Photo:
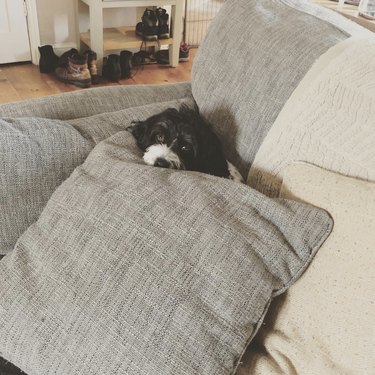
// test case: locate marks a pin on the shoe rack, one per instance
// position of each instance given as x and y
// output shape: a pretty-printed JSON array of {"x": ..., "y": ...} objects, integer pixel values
[{"x": 107, "y": 40}]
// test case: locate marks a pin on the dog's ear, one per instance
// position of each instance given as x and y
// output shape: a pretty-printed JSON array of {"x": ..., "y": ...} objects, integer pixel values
[
  {"x": 188, "y": 110},
  {"x": 137, "y": 128},
  {"x": 130, "y": 127},
  {"x": 185, "y": 111},
  {"x": 139, "y": 132}
]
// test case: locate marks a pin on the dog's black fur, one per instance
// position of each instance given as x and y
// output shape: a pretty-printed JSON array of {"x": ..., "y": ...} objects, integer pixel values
[{"x": 185, "y": 133}]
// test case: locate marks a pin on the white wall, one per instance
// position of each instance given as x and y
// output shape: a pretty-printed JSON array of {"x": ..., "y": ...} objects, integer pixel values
[{"x": 57, "y": 23}]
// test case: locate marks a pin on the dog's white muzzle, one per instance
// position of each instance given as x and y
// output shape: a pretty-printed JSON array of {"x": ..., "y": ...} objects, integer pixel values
[{"x": 162, "y": 156}]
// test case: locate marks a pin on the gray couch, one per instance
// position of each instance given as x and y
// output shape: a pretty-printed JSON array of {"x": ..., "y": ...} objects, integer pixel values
[{"x": 255, "y": 57}]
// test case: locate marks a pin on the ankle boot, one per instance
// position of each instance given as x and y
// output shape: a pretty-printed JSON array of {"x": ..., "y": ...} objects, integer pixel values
[
  {"x": 48, "y": 59},
  {"x": 76, "y": 72},
  {"x": 148, "y": 29},
  {"x": 163, "y": 26},
  {"x": 112, "y": 68},
  {"x": 91, "y": 63},
  {"x": 64, "y": 58},
  {"x": 125, "y": 64}
]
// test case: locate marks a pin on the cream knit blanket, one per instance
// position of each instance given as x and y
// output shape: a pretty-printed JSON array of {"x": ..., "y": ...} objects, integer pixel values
[{"x": 328, "y": 121}]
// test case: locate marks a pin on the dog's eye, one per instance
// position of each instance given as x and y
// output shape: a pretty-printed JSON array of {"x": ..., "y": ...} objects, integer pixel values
[
  {"x": 160, "y": 138},
  {"x": 185, "y": 148}
]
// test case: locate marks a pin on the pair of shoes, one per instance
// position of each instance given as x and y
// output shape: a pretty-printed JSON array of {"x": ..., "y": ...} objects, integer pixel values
[
  {"x": 162, "y": 56},
  {"x": 75, "y": 71},
  {"x": 116, "y": 67},
  {"x": 63, "y": 61},
  {"x": 70, "y": 67},
  {"x": 154, "y": 25}
]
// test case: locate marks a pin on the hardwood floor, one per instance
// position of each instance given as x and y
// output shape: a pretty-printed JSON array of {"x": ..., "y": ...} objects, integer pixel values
[{"x": 24, "y": 81}]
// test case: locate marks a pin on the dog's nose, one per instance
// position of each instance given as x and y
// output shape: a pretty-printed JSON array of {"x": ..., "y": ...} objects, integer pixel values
[{"x": 160, "y": 162}]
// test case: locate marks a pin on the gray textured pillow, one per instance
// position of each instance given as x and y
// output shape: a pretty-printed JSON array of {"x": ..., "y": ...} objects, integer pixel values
[
  {"x": 132, "y": 269},
  {"x": 38, "y": 154}
]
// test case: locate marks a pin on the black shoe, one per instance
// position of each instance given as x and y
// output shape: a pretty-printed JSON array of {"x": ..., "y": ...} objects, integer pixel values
[
  {"x": 112, "y": 68},
  {"x": 162, "y": 56},
  {"x": 48, "y": 59},
  {"x": 163, "y": 26},
  {"x": 125, "y": 64},
  {"x": 143, "y": 58},
  {"x": 64, "y": 58},
  {"x": 139, "y": 27},
  {"x": 148, "y": 27}
]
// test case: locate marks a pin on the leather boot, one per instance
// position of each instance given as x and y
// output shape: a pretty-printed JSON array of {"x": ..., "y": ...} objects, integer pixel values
[
  {"x": 64, "y": 58},
  {"x": 112, "y": 68},
  {"x": 163, "y": 25},
  {"x": 125, "y": 64},
  {"x": 91, "y": 63},
  {"x": 75, "y": 72},
  {"x": 48, "y": 59}
]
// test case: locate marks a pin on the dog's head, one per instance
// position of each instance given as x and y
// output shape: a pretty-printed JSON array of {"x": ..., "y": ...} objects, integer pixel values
[
  {"x": 167, "y": 139},
  {"x": 180, "y": 139}
]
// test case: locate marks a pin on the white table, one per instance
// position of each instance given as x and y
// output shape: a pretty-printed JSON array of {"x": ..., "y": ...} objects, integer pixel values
[{"x": 105, "y": 40}]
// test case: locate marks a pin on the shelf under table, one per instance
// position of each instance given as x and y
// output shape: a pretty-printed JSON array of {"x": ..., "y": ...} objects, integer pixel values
[{"x": 119, "y": 38}]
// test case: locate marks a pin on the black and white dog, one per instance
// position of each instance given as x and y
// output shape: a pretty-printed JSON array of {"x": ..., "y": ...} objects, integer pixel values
[{"x": 181, "y": 139}]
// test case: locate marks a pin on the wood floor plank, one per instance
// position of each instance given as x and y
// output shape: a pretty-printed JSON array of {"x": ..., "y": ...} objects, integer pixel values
[
  {"x": 27, "y": 81},
  {"x": 7, "y": 92},
  {"x": 24, "y": 81}
]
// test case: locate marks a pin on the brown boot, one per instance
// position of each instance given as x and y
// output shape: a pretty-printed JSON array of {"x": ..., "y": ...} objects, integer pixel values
[
  {"x": 75, "y": 72},
  {"x": 91, "y": 62}
]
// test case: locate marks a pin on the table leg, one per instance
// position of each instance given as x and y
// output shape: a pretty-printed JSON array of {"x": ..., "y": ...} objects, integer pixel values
[
  {"x": 96, "y": 33},
  {"x": 174, "y": 49},
  {"x": 77, "y": 16}
]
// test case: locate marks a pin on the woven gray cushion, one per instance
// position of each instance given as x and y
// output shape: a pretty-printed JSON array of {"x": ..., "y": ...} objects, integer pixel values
[
  {"x": 132, "y": 269},
  {"x": 101, "y": 126},
  {"x": 37, "y": 155},
  {"x": 253, "y": 57}
]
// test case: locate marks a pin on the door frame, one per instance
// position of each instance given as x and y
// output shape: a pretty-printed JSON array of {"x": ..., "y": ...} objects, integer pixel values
[{"x": 33, "y": 29}]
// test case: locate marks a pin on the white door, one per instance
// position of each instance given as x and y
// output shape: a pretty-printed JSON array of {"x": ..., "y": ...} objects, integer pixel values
[{"x": 14, "y": 37}]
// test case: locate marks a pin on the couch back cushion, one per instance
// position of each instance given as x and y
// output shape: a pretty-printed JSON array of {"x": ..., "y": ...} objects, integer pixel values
[
  {"x": 328, "y": 121},
  {"x": 254, "y": 55}
]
